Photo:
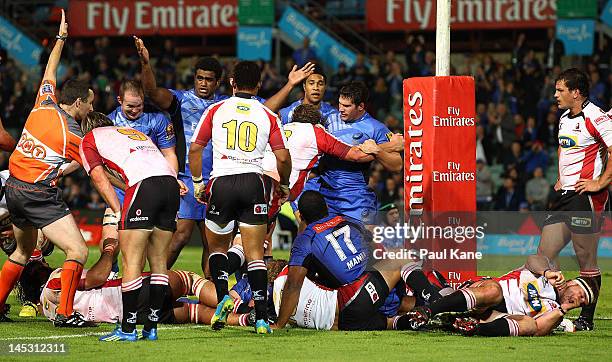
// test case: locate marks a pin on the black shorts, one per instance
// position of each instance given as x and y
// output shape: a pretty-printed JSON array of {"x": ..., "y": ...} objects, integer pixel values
[
  {"x": 241, "y": 197},
  {"x": 153, "y": 202},
  {"x": 362, "y": 313},
  {"x": 273, "y": 203},
  {"x": 167, "y": 312},
  {"x": 583, "y": 214},
  {"x": 34, "y": 204}
]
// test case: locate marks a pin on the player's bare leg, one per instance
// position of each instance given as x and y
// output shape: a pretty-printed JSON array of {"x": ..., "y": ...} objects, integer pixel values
[
  {"x": 205, "y": 250},
  {"x": 12, "y": 268},
  {"x": 585, "y": 247},
  {"x": 157, "y": 254},
  {"x": 65, "y": 234},
  {"x": 553, "y": 240},
  {"x": 252, "y": 241},
  {"x": 202, "y": 314},
  {"x": 180, "y": 238}
]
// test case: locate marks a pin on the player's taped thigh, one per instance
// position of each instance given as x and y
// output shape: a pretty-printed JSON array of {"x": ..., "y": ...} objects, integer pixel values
[{"x": 220, "y": 230}]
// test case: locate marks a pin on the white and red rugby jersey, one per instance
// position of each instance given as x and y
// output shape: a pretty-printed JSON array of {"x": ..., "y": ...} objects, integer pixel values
[
  {"x": 240, "y": 128},
  {"x": 306, "y": 143},
  {"x": 527, "y": 294},
  {"x": 123, "y": 149},
  {"x": 316, "y": 308},
  {"x": 583, "y": 143}
]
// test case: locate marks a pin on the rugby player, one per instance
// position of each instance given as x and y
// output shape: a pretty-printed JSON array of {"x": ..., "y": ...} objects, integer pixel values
[
  {"x": 156, "y": 125},
  {"x": 146, "y": 219},
  {"x": 529, "y": 301},
  {"x": 314, "y": 90},
  {"x": 342, "y": 180},
  {"x": 580, "y": 201},
  {"x": 240, "y": 129},
  {"x": 186, "y": 108},
  {"x": 332, "y": 252},
  {"x": 48, "y": 148}
]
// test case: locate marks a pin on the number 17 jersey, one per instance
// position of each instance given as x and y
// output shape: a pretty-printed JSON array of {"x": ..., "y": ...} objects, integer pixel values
[{"x": 333, "y": 250}]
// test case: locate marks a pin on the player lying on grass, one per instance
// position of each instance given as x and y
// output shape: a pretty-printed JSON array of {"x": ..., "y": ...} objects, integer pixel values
[
  {"x": 99, "y": 300},
  {"x": 333, "y": 252},
  {"x": 529, "y": 301},
  {"x": 318, "y": 307}
]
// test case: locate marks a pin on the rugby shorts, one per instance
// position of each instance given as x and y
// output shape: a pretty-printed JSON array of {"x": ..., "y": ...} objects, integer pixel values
[
  {"x": 364, "y": 299},
  {"x": 152, "y": 202},
  {"x": 35, "y": 205},
  {"x": 583, "y": 214},
  {"x": 242, "y": 197}
]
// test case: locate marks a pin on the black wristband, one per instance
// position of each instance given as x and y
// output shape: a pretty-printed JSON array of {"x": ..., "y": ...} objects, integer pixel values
[{"x": 61, "y": 37}]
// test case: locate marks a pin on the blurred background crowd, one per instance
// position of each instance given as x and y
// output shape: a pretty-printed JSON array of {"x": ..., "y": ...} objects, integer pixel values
[{"x": 517, "y": 115}]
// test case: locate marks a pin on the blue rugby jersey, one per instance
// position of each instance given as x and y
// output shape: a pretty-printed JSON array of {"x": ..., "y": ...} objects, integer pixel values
[{"x": 333, "y": 250}]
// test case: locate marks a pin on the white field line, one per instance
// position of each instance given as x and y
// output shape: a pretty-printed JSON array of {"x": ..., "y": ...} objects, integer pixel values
[{"x": 91, "y": 334}]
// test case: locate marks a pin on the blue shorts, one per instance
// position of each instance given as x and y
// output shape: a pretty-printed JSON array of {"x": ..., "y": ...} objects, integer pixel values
[
  {"x": 189, "y": 208},
  {"x": 359, "y": 203},
  {"x": 120, "y": 195}
]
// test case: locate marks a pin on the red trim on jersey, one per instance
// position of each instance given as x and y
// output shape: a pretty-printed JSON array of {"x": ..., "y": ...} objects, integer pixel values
[
  {"x": 588, "y": 164},
  {"x": 90, "y": 153},
  {"x": 204, "y": 131},
  {"x": 277, "y": 139},
  {"x": 329, "y": 144},
  {"x": 328, "y": 224},
  {"x": 592, "y": 130},
  {"x": 298, "y": 186}
]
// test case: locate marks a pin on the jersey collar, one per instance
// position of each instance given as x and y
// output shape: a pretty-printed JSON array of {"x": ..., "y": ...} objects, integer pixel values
[
  {"x": 581, "y": 113},
  {"x": 244, "y": 95}
]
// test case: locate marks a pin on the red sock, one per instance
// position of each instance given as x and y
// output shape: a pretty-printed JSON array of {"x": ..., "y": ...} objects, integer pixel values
[
  {"x": 70, "y": 278},
  {"x": 11, "y": 271}
]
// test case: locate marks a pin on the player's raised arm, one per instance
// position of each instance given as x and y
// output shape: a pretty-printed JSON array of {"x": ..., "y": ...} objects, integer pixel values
[
  {"x": 160, "y": 96},
  {"x": 56, "y": 53},
  {"x": 296, "y": 76},
  {"x": 291, "y": 294}
]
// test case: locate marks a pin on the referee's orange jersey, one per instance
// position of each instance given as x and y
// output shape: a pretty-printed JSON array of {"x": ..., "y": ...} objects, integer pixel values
[{"x": 49, "y": 142}]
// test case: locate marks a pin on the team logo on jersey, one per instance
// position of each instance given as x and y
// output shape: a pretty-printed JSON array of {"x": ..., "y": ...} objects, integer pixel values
[
  {"x": 371, "y": 289},
  {"x": 243, "y": 108},
  {"x": 389, "y": 135},
  {"x": 533, "y": 297},
  {"x": 584, "y": 222},
  {"x": 170, "y": 132},
  {"x": 46, "y": 88},
  {"x": 260, "y": 209},
  {"x": 357, "y": 135},
  {"x": 568, "y": 141}
]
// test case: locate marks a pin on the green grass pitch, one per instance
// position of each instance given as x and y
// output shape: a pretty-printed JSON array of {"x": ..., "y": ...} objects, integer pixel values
[{"x": 191, "y": 342}]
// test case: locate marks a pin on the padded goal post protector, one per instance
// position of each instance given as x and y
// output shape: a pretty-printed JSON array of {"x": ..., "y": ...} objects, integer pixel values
[{"x": 440, "y": 172}]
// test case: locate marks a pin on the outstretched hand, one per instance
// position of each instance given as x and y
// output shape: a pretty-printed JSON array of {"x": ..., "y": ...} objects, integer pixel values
[
  {"x": 296, "y": 76},
  {"x": 63, "y": 28},
  {"x": 143, "y": 53}
]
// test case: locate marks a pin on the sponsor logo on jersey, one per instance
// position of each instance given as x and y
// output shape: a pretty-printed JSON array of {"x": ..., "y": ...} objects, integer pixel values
[
  {"x": 533, "y": 297},
  {"x": 389, "y": 135},
  {"x": 260, "y": 209},
  {"x": 568, "y": 141},
  {"x": 29, "y": 146},
  {"x": 243, "y": 108},
  {"x": 584, "y": 222},
  {"x": 371, "y": 289},
  {"x": 357, "y": 135}
]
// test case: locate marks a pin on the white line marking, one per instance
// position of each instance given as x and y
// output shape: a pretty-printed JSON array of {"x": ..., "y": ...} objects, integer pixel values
[{"x": 92, "y": 334}]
